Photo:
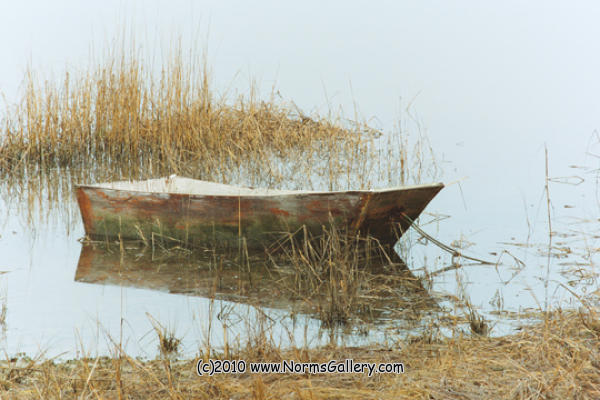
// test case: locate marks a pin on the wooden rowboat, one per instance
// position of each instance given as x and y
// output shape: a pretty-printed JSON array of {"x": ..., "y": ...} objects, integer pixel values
[{"x": 200, "y": 213}]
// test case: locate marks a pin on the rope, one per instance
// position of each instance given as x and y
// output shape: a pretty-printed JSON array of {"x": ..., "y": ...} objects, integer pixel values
[{"x": 453, "y": 251}]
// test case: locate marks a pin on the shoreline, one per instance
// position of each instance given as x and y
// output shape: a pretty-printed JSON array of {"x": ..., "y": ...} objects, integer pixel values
[{"x": 556, "y": 357}]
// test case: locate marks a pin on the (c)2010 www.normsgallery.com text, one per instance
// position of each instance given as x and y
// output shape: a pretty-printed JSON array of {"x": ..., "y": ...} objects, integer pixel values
[{"x": 347, "y": 366}]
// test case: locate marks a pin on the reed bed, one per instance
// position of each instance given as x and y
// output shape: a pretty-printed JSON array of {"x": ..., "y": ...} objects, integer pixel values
[
  {"x": 128, "y": 118},
  {"x": 121, "y": 118}
]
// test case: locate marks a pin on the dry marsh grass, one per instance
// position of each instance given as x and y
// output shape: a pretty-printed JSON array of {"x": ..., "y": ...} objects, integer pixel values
[
  {"x": 557, "y": 358},
  {"x": 347, "y": 279},
  {"x": 120, "y": 116}
]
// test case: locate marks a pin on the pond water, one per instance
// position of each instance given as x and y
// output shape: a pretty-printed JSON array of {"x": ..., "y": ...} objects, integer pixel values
[
  {"x": 66, "y": 299},
  {"x": 491, "y": 89}
]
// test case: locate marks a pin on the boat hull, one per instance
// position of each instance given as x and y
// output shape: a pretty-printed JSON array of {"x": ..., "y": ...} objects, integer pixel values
[{"x": 258, "y": 221}]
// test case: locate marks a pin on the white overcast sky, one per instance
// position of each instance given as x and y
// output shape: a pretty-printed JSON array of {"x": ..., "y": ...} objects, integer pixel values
[{"x": 492, "y": 82}]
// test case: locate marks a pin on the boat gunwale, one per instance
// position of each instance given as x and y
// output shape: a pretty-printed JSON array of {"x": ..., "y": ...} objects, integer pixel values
[{"x": 258, "y": 194}]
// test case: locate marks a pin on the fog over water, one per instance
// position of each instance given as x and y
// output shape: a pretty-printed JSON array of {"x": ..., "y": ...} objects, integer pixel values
[{"x": 491, "y": 85}]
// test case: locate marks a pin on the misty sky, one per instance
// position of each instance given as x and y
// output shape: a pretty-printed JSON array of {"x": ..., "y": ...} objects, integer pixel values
[{"x": 491, "y": 83}]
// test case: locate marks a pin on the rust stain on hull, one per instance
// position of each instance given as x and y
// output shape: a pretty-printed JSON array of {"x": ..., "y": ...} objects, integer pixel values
[
  {"x": 85, "y": 208},
  {"x": 277, "y": 211}
]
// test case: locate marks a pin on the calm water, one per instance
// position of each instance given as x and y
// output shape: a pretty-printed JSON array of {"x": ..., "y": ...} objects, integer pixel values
[
  {"x": 56, "y": 304},
  {"x": 489, "y": 86}
]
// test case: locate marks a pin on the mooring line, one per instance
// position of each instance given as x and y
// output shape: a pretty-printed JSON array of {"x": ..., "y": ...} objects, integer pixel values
[{"x": 445, "y": 247}]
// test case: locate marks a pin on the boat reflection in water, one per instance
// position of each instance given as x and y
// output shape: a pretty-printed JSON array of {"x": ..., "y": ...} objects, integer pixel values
[
  {"x": 207, "y": 275},
  {"x": 384, "y": 292}
]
